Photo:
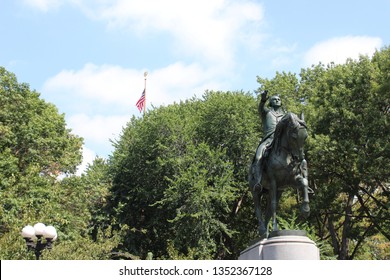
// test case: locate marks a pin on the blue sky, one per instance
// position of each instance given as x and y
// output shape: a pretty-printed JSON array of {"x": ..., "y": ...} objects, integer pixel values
[{"x": 88, "y": 57}]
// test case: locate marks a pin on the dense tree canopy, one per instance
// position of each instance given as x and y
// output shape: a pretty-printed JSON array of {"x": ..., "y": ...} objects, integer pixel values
[
  {"x": 347, "y": 112},
  {"x": 349, "y": 150},
  {"x": 180, "y": 172},
  {"x": 175, "y": 186},
  {"x": 346, "y": 108},
  {"x": 35, "y": 148}
]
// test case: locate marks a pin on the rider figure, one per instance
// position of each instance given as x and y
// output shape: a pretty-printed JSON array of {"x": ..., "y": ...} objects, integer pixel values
[{"x": 270, "y": 117}]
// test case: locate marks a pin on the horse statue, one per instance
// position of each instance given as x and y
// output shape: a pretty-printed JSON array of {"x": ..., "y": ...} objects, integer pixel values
[{"x": 283, "y": 164}]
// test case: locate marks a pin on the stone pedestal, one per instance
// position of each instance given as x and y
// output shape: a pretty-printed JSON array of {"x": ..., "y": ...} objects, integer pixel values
[{"x": 282, "y": 245}]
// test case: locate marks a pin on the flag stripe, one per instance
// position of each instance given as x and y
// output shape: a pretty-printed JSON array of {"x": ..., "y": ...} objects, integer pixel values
[{"x": 141, "y": 102}]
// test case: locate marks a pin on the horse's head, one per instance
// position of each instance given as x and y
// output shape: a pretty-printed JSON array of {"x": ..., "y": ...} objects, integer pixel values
[{"x": 296, "y": 133}]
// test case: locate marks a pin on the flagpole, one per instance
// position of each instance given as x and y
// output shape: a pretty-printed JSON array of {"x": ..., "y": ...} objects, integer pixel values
[{"x": 145, "y": 75}]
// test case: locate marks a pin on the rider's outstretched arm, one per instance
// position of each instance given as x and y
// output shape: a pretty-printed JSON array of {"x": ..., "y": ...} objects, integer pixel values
[{"x": 262, "y": 109}]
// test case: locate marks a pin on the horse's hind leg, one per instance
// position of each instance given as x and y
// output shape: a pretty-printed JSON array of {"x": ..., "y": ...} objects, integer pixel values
[
  {"x": 273, "y": 193},
  {"x": 257, "y": 200}
]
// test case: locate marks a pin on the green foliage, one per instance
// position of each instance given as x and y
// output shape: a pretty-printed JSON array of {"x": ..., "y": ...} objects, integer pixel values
[
  {"x": 176, "y": 186},
  {"x": 348, "y": 151},
  {"x": 85, "y": 248},
  {"x": 376, "y": 247},
  {"x": 200, "y": 195},
  {"x": 179, "y": 173},
  {"x": 32, "y": 130},
  {"x": 164, "y": 164},
  {"x": 36, "y": 147}
]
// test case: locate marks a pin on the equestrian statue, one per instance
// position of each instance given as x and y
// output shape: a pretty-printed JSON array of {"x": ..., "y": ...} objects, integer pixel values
[{"x": 279, "y": 161}]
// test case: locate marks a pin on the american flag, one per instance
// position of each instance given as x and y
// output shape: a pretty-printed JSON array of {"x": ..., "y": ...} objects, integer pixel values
[{"x": 141, "y": 102}]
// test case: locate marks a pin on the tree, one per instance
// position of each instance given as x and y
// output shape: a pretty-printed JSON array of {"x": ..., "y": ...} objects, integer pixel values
[
  {"x": 182, "y": 169},
  {"x": 346, "y": 108},
  {"x": 176, "y": 183},
  {"x": 35, "y": 147},
  {"x": 179, "y": 174},
  {"x": 349, "y": 151},
  {"x": 201, "y": 194},
  {"x": 33, "y": 132},
  {"x": 79, "y": 213}
]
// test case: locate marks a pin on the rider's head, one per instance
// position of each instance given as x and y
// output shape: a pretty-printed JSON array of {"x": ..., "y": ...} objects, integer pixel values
[{"x": 275, "y": 102}]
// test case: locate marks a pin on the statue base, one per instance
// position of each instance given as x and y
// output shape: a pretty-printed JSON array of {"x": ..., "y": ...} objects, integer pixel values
[{"x": 282, "y": 245}]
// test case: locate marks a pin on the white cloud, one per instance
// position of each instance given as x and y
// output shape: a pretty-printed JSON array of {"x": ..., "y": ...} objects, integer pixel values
[
  {"x": 88, "y": 158},
  {"x": 338, "y": 49},
  {"x": 97, "y": 129},
  {"x": 209, "y": 29},
  {"x": 43, "y": 5},
  {"x": 283, "y": 56},
  {"x": 179, "y": 81},
  {"x": 121, "y": 87},
  {"x": 105, "y": 83}
]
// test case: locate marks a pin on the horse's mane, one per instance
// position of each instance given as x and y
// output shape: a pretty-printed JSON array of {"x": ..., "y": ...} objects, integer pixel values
[{"x": 288, "y": 120}]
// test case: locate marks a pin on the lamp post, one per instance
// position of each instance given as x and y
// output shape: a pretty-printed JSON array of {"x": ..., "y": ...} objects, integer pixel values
[{"x": 34, "y": 237}]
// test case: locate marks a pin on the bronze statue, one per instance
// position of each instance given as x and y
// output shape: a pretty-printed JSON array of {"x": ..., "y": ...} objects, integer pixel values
[
  {"x": 279, "y": 162},
  {"x": 269, "y": 117}
]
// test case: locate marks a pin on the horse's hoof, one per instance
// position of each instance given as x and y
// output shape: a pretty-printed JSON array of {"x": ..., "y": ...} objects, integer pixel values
[
  {"x": 263, "y": 234},
  {"x": 262, "y": 230}
]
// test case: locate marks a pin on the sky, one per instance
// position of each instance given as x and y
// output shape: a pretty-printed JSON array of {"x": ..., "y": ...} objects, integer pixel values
[{"x": 88, "y": 57}]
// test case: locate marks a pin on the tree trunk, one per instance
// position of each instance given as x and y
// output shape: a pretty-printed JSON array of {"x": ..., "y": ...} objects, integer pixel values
[
  {"x": 346, "y": 228},
  {"x": 333, "y": 235}
]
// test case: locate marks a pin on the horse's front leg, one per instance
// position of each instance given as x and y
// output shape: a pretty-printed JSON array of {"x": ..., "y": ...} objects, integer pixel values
[
  {"x": 305, "y": 208},
  {"x": 273, "y": 192},
  {"x": 303, "y": 184},
  {"x": 271, "y": 210}
]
